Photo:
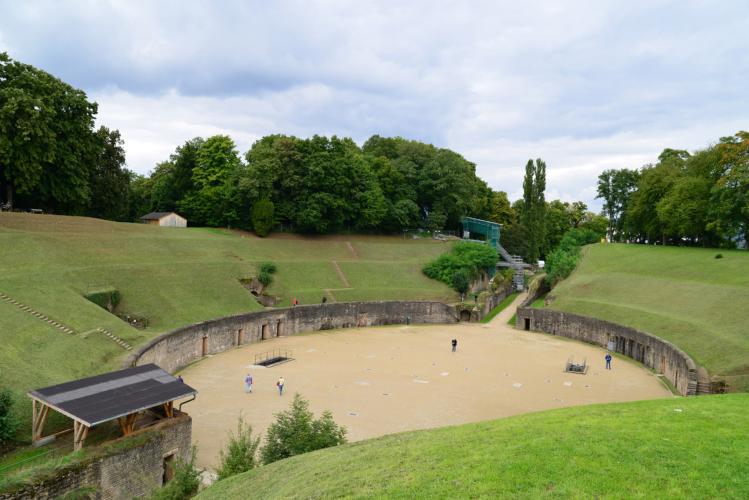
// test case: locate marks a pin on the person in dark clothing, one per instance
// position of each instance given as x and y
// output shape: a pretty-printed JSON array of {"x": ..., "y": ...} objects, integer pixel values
[
  {"x": 455, "y": 344},
  {"x": 608, "y": 361}
]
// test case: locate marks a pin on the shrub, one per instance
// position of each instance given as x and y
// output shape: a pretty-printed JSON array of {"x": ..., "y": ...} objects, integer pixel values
[
  {"x": 264, "y": 278},
  {"x": 268, "y": 267},
  {"x": 184, "y": 484},
  {"x": 8, "y": 422},
  {"x": 468, "y": 257},
  {"x": 460, "y": 281},
  {"x": 241, "y": 452},
  {"x": 107, "y": 298},
  {"x": 562, "y": 261},
  {"x": 718, "y": 255},
  {"x": 296, "y": 431},
  {"x": 262, "y": 217}
]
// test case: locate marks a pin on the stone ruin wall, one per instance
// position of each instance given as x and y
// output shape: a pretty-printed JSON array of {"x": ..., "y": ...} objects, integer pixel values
[
  {"x": 178, "y": 348},
  {"x": 653, "y": 352}
]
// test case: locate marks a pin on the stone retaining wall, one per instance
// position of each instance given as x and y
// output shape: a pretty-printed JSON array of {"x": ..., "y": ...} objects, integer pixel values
[
  {"x": 654, "y": 352},
  {"x": 126, "y": 468},
  {"x": 180, "y": 347}
]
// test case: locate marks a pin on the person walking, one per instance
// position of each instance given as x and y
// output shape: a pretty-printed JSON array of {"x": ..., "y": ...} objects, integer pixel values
[
  {"x": 280, "y": 384},
  {"x": 608, "y": 361},
  {"x": 455, "y": 344},
  {"x": 248, "y": 383}
]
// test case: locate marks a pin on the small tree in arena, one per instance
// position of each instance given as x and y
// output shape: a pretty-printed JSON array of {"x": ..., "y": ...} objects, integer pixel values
[
  {"x": 296, "y": 431},
  {"x": 240, "y": 454}
]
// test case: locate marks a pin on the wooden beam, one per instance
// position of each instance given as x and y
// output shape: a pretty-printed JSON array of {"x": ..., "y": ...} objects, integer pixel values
[
  {"x": 80, "y": 431},
  {"x": 169, "y": 409},
  {"x": 39, "y": 413}
]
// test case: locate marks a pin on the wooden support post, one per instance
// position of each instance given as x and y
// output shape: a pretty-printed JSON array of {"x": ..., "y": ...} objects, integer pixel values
[
  {"x": 39, "y": 415},
  {"x": 127, "y": 423},
  {"x": 169, "y": 409},
  {"x": 80, "y": 431}
]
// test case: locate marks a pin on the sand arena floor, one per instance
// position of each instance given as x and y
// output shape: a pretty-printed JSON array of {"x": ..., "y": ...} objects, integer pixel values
[{"x": 383, "y": 380}]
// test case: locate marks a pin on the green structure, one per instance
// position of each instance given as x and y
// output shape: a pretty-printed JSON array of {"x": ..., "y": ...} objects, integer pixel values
[{"x": 490, "y": 230}]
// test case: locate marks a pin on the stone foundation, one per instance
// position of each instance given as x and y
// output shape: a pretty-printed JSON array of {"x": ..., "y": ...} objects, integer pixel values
[{"x": 128, "y": 467}]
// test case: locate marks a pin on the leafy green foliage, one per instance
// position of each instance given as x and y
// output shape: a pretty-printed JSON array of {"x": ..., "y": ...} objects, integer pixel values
[
  {"x": 460, "y": 281},
  {"x": 698, "y": 199},
  {"x": 296, "y": 431},
  {"x": 268, "y": 267},
  {"x": 467, "y": 260},
  {"x": 107, "y": 298},
  {"x": 184, "y": 483},
  {"x": 240, "y": 454},
  {"x": 533, "y": 214},
  {"x": 8, "y": 422},
  {"x": 262, "y": 217},
  {"x": 562, "y": 261}
]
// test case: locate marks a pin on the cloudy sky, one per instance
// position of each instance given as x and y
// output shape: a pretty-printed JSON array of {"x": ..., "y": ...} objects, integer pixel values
[{"x": 584, "y": 85}]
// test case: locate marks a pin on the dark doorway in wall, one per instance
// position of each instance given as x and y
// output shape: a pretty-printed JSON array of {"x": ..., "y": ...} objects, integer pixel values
[
  {"x": 240, "y": 336},
  {"x": 264, "y": 335},
  {"x": 465, "y": 315},
  {"x": 279, "y": 328},
  {"x": 168, "y": 473},
  {"x": 527, "y": 323},
  {"x": 204, "y": 349}
]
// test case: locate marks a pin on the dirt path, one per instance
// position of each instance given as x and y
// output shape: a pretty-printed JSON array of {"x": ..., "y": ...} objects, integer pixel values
[
  {"x": 391, "y": 379},
  {"x": 341, "y": 276},
  {"x": 352, "y": 250},
  {"x": 503, "y": 317}
]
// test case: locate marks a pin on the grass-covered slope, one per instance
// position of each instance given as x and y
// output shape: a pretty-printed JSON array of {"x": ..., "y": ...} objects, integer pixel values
[
  {"x": 684, "y": 295},
  {"x": 678, "y": 448},
  {"x": 173, "y": 277}
]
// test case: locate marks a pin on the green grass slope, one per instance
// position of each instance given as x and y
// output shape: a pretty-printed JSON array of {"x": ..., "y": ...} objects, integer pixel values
[
  {"x": 684, "y": 295},
  {"x": 679, "y": 448},
  {"x": 173, "y": 277}
]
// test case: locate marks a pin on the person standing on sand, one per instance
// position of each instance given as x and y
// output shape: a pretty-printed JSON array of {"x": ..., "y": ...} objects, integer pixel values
[
  {"x": 608, "y": 361},
  {"x": 280, "y": 384},
  {"x": 455, "y": 344},
  {"x": 248, "y": 383}
]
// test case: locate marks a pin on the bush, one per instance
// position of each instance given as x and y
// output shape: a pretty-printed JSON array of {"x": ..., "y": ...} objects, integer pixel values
[
  {"x": 268, "y": 267},
  {"x": 562, "y": 261},
  {"x": 184, "y": 484},
  {"x": 470, "y": 258},
  {"x": 264, "y": 278},
  {"x": 241, "y": 452},
  {"x": 295, "y": 431},
  {"x": 8, "y": 422},
  {"x": 107, "y": 298},
  {"x": 718, "y": 255},
  {"x": 262, "y": 217},
  {"x": 460, "y": 281}
]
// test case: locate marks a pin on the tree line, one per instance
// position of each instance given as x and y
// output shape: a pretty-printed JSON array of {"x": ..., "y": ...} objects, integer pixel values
[
  {"x": 52, "y": 157},
  {"x": 699, "y": 198}
]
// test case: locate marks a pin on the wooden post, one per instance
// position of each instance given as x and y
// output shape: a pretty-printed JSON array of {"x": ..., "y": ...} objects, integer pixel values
[
  {"x": 80, "y": 431},
  {"x": 169, "y": 409},
  {"x": 39, "y": 413},
  {"x": 127, "y": 423}
]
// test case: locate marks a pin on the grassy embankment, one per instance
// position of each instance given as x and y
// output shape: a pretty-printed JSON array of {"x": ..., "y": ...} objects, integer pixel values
[
  {"x": 500, "y": 307},
  {"x": 173, "y": 277},
  {"x": 684, "y": 295},
  {"x": 678, "y": 448}
]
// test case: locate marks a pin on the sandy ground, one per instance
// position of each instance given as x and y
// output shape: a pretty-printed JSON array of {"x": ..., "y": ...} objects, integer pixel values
[{"x": 383, "y": 380}]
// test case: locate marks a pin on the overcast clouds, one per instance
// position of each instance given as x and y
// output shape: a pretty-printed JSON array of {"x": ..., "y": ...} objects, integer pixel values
[{"x": 584, "y": 85}]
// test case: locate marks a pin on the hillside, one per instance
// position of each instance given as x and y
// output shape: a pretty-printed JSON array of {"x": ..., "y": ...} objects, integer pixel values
[
  {"x": 172, "y": 277},
  {"x": 684, "y": 295},
  {"x": 676, "y": 448}
]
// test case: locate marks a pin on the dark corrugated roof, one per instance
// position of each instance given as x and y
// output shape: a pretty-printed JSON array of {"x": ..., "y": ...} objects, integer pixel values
[
  {"x": 156, "y": 215},
  {"x": 98, "y": 399}
]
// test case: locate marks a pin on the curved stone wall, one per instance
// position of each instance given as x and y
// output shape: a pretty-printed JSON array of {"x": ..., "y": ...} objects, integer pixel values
[
  {"x": 654, "y": 352},
  {"x": 180, "y": 347}
]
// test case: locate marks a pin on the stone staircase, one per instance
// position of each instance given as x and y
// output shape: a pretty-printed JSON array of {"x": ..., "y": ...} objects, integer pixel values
[
  {"x": 23, "y": 307},
  {"x": 57, "y": 324}
]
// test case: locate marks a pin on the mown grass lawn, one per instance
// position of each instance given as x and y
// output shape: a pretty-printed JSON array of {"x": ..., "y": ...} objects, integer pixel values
[
  {"x": 173, "y": 277},
  {"x": 684, "y": 295},
  {"x": 676, "y": 448}
]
